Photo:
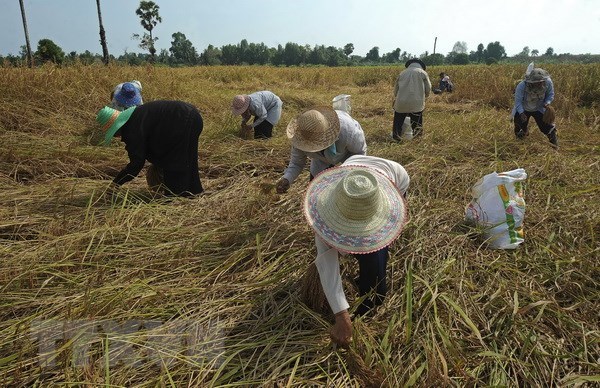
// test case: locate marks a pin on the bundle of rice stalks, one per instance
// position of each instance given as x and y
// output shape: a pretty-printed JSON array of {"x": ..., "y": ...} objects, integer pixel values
[
  {"x": 246, "y": 132},
  {"x": 367, "y": 376},
  {"x": 311, "y": 291},
  {"x": 549, "y": 115},
  {"x": 155, "y": 178}
]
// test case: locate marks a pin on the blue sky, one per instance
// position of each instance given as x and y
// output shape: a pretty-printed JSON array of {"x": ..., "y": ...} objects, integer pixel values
[{"x": 412, "y": 25}]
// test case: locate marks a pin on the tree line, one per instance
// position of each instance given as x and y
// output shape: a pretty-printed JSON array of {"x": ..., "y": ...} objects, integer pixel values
[{"x": 183, "y": 53}]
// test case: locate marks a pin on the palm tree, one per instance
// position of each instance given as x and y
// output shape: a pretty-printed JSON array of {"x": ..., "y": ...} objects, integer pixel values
[
  {"x": 29, "y": 57},
  {"x": 102, "y": 36},
  {"x": 149, "y": 18}
]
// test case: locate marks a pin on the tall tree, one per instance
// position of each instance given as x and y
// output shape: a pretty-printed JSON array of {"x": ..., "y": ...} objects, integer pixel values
[
  {"x": 293, "y": 54},
  {"x": 47, "y": 50},
  {"x": 535, "y": 52},
  {"x": 524, "y": 52},
  {"x": 105, "y": 56},
  {"x": 549, "y": 52},
  {"x": 29, "y": 56},
  {"x": 460, "y": 47},
  {"x": 348, "y": 49},
  {"x": 495, "y": 50},
  {"x": 480, "y": 50},
  {"x": 392, "y": 56},
  {"x": 182, "y": 50},
  {"x": 149, "y": 18},
  {"x": 373, "y": 54},
  {"x": 211, "y": 56}
]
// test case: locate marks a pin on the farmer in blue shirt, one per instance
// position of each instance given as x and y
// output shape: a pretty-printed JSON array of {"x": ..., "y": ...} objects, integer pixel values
[{"x": 533, "y": 97}]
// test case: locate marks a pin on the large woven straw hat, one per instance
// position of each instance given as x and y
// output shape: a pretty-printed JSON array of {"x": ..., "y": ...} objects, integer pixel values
[
  {"x": 112, "y": 120},
  {"x": 314, "y": 130},
  {"x": 240, "y": 103},
  {"x": 355, "y": 209}
]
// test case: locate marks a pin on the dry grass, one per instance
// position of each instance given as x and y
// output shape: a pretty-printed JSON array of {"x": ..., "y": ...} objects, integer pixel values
[{"x": 231, "y": 261}]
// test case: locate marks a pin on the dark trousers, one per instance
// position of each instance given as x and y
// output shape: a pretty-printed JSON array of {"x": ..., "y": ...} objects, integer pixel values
[
  {"x": 186, "y": 182},
  {"x": 263, "y": 130},
  {"x": 372, "y": 274},
  {"x": 521, "y": 129},
  {"x": 416, "y": 122}
]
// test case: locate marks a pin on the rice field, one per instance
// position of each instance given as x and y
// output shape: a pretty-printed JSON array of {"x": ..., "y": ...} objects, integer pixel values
[{"x": 124, "y": 289}]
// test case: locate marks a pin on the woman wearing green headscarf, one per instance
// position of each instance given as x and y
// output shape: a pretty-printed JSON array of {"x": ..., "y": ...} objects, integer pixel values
[{"x": 165, "y": 133}]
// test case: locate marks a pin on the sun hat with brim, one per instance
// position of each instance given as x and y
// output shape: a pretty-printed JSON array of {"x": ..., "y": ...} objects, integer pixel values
[
  {"x": 111, "y": 120},
  {"x": 415, "y": 60},
  {"x": 537, "y": 75},
  {"x": 314, "y": 130},
  {"x": 129, "y": 95},
  {"x": 240, "y": 103},
  {"x": 355, "y": 209}
]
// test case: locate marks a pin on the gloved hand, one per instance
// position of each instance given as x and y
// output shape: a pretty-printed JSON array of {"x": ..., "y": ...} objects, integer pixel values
[
  {"x": 282, "y": 186},
  {"x": 341, "y": 332}
]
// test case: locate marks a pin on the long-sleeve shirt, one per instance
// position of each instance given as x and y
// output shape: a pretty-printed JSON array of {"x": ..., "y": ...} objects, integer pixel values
[
  {"x": 521, "y": 95},
  {"x": 265, "y": 105},
  {"x": 160, "y": 132},
  {"x": 351, "y": 141},
  {"x": 327, "y": 261},
  {"x": 410, "y": 90}
]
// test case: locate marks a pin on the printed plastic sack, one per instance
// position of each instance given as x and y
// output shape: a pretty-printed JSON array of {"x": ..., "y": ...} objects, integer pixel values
[
  {"x": 499, "y": 208},
  {"x": 342, "y": 102},
  {"x": 407, "y": 132}
]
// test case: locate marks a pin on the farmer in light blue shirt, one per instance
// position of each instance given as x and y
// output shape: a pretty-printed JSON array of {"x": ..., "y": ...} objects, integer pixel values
[
  {"x": 325, "y": 136},
  {"x": 265, "y": 106},
  {"x": 533, "y": 97}
]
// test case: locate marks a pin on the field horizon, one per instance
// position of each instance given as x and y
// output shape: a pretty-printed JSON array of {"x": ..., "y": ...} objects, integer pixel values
[{"x": 101, "y": 290}]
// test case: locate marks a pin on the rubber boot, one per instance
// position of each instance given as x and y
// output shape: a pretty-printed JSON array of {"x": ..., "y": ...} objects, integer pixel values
[{"x": 553, "y": 138}]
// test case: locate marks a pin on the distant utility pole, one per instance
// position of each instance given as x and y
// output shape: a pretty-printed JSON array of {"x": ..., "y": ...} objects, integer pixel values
[
  {"x": 434, "y": 44},
  {"x": 29, "y": 57}
]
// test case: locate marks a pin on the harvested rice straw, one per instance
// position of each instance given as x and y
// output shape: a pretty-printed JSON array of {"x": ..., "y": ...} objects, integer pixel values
[
  {"x": 311, "y": 291},
  {"x": 246, "y": 133},
  {"x": 366, "y": 375},
  {"x": 549, "y": 115},
  {"x": 155, "y": 178}
]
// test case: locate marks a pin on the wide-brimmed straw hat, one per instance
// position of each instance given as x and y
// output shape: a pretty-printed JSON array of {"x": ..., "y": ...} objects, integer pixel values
[
  {"x": 416, "y": 60},
  {"x": 112, "y": 120},
  {"x": 314, "y": 130},
  {"x": 128, "y": 95},
  {"x": 240, "y": 103},
  {"x": 355, "y": 209}
]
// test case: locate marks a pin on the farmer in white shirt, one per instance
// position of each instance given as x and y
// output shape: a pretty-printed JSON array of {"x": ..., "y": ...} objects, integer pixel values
[
  {"x": 357, "y": 208},
  {"x": 411, "y": 89},
  {"x": 265, "y": 106},
  {"x": 325, "y": 136}
]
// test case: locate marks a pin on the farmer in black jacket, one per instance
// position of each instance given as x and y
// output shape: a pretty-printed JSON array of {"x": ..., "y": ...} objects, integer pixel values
[{"x": 165, "y": 133}]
